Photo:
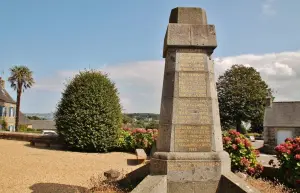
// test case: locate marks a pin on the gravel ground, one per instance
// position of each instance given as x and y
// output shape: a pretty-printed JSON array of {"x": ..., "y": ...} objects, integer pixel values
[{"x": 38, "y": 170}]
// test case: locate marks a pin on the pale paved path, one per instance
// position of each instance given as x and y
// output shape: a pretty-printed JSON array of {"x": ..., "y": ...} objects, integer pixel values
[{"x": 27, "y": 169}]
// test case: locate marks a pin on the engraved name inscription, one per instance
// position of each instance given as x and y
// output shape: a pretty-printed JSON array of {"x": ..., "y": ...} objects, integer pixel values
[
  {"x": 192, "y": 111},
  {"x": 192, "y": 84},
  {"x": 192, "y": 138},
  {"x": 191, "y": 61}
]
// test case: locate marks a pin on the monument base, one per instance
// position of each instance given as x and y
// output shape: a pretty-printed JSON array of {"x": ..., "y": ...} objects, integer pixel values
[
  {"x": 191, "y": 172},
  {"x": 181, "y": 172}
]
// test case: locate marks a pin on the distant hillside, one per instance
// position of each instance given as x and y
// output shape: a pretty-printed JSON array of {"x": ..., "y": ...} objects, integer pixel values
[
  {"x": 138, "y": 116},
  {"x": 48, "y": 116},
  {"x": 142, "y": 116}
]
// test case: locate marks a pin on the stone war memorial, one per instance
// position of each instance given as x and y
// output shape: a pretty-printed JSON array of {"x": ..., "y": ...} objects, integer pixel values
[{"x": 189, "y": 156}]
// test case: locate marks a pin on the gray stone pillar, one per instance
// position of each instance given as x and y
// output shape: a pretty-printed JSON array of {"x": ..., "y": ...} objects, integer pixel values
[{"x": 189, "y": 146}]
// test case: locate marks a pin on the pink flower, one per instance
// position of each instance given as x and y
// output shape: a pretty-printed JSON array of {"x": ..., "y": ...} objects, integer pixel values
[
  {"x": 244, "y": 162},
  {"x": 297, "y": 157},
  {"x": 149, "y": 131},
  {"x": 251, "y": 170},
  {"x": 288, "y": 140},
  {"x": 238, "y": 140},
  {"x": 234, "y": 146},
  {"x": 247, "y": 143}
]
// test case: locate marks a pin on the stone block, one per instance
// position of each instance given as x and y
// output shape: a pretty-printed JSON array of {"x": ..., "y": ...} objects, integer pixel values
[
  {"x": 188, "y": 15},
  {"x": 112, "y": 174},
  {"x": 140, "y": 155}
]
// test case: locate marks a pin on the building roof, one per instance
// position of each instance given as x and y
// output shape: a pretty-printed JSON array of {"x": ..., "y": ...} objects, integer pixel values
[
  {"x": 283, "y": 114},
  {"x": 5, "y": 97},
  {"x": 42, "y": 124}
]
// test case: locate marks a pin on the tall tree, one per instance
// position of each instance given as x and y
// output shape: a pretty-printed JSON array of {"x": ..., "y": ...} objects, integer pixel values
[
  {"x": 20, "y": 79},
  {"x": 242, "y": 96}
]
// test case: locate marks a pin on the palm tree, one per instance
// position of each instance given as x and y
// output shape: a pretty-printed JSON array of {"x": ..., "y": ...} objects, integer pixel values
[{"x": 20, "y": 79}]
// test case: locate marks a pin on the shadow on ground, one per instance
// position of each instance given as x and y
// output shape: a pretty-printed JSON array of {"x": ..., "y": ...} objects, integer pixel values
[
  {"x": 41, "y": 146},
  {"x": 57, "y": 188}
]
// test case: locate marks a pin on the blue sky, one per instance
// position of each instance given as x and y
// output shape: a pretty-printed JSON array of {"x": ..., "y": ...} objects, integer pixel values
[{"x": 57, "y": 38}]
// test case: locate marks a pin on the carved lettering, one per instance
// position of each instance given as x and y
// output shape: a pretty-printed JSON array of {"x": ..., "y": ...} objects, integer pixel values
[
  {"x": 191, "y": 61},
  {"x": 192, "y": 84},
  {"x": 192, "y": 111},
  {"x": 192, "y": 138}
]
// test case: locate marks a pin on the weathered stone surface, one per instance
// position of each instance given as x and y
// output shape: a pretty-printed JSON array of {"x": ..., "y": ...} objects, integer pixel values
[
  {"x": 140, "y": 154},
  {"x": 188, "y": 15},
  {"x": 112, "y": 174},
  {"x": 152, "y": 184}
]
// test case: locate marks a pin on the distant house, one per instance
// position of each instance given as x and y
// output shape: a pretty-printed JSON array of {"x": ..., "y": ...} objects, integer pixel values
[
  {"x": 7, "y": 107},
  {"x": 281, "y": 121}
]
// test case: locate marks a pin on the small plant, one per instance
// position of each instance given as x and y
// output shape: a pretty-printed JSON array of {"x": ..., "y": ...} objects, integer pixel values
[
  {"x": 288, "y": 155},
  {"x": 4, "y": 125},
  {"x": 131, "y": 139},
  {"x": 243, "y": 155}
]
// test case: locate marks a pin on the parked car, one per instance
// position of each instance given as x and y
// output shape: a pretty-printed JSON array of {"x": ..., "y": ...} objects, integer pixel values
[
  {"x": 49, "y": 132},
  {"x": 252, "y": 138}
]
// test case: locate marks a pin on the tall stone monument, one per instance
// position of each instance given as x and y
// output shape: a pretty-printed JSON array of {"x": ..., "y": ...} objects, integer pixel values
[
  {"x": 189, "y": 146},
  {"x": 189, "y": 156}
]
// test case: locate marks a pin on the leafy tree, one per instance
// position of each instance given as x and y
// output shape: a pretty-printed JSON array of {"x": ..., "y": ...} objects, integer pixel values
[
  {"x": 242, "y": 95},
  {"x": 152, "y": 125},
  {"x": 89, "y": 117},
  {"x": 126, "y": 119},
  {"x": 20, "y": 79}
]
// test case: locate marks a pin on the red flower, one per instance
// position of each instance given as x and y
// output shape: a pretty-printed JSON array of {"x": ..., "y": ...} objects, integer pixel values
[
  {"x": 245, "y": 162},
  {"x": 251, "y": 170},
  {"x": 238, "y": 140},
  {"x": 288, "y": 140},
  {"x": 297, "y": 181},
  {"x": 247, "y": 143},
  {"x": 259, "y": 167},
  {"x": 297, "y": 157},
  {"x": 234, "y": 146}
]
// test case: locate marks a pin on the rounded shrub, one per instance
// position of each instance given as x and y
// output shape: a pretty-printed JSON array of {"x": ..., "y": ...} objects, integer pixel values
[
  {"x": 88, "y": 117},
  {"x": 243, "y": 155}
]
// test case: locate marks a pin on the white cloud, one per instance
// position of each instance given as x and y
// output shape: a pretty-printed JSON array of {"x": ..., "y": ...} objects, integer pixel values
[
  {"x": 268, "y": 7},
  {"x": 140, "y": 83}
]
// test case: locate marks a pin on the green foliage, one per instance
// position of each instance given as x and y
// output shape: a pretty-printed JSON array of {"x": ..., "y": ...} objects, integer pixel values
[
  {"x": 288, "y": 155},
  {"x": 126, "y": 119},
  {"x": 152, "y": 125},
  {"x": 89, "y": 117},
  {"x": 140, "y": 138},
  {"x": 243, "y": 155},
  {"x": 20, "y": 79},
  {"x": 25, "y": 129},
  {"x": 242, "y": 96},
  {"x": 4, "y": 125}
]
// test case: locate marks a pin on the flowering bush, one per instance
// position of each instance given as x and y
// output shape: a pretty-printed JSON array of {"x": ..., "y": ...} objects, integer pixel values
[
  {"x": 288, "y": 155},
  {"x": 243, "y": 155},
  {"x": 131, "y": 139}
]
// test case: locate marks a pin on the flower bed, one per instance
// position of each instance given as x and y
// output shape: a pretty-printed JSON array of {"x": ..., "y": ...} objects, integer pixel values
[
  {"x": 139, "y": 138},
  {"x": 243, "y": 155},
  {"x": 288, "y": 155}
]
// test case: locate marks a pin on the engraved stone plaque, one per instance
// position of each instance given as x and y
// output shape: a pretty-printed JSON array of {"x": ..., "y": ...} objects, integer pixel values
[
  {"x": 192, "y": 138},
  {"x": 192, "y": 111},
  {"x": 191, "y": 61},
  {"x": 192, "y": 84}
]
